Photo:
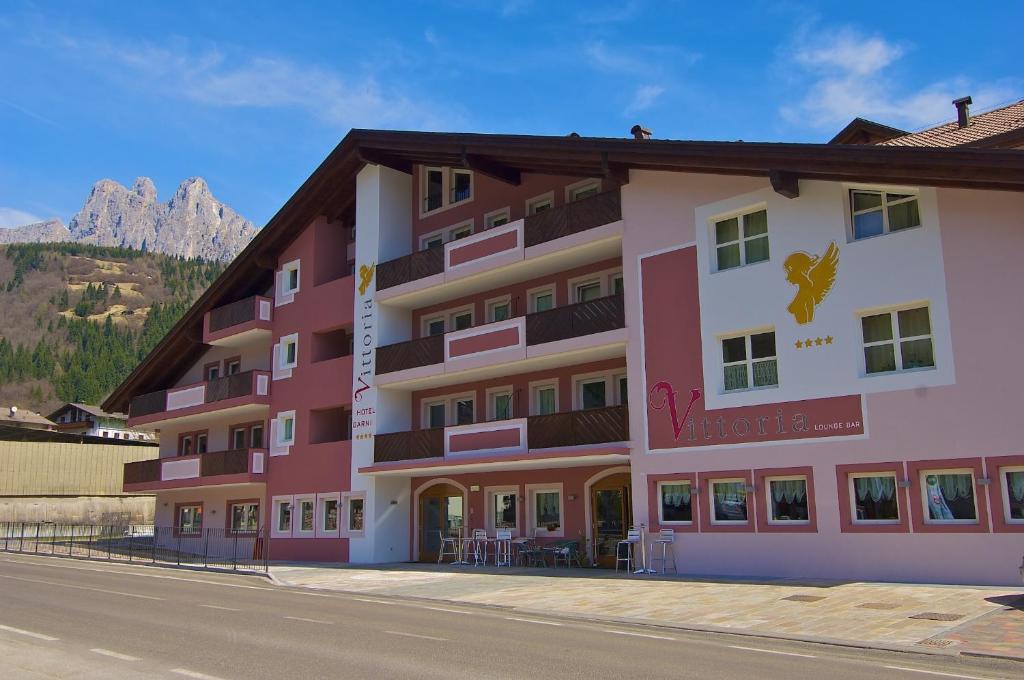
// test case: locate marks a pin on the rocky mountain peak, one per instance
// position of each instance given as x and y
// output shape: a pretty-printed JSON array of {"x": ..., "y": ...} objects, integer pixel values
[{"x": 46, "y": 231}]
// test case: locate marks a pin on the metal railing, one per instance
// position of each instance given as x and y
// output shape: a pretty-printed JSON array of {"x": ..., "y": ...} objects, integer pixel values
[{"x": 140, "y": 543}]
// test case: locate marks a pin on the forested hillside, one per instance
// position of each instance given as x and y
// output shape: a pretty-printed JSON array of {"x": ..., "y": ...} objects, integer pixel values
[{"x": 75, "y": 319}]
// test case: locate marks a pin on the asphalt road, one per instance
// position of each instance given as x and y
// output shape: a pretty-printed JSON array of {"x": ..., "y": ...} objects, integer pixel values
[{"x": 63, "y": 618}]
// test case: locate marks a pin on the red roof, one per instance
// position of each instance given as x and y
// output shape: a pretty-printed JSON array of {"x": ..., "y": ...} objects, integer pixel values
[{"x": 1000, "y": 127}]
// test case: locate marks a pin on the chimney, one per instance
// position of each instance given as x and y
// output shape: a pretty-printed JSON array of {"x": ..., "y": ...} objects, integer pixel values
[
  {"x": 640, "y": 132},
  {"x": 963, "y": 111}
]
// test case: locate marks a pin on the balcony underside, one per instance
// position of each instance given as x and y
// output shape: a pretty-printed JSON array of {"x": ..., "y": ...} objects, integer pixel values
[
  {"x": 201, "y": 482},
  {"x": 576, "y": 456},
  {"x": 579, "y": 350},
  {"x": 211, "y": 415},
  {"x": 249, "y": 334}
]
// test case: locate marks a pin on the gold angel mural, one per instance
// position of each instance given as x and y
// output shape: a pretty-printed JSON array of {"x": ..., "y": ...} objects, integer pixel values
[
  {"x": 813, "y": 277},
  {"x": 365, "y": 277}
]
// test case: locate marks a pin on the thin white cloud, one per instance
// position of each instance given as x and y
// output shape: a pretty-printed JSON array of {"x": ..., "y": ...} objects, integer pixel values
[
  {"x": 431, "y": 37},
  {"x": 644, "y": 98},
  {"x": 846, "y": 74},
  {"x": 636, "y": 60},
  {"x": 12, "y": 217}
]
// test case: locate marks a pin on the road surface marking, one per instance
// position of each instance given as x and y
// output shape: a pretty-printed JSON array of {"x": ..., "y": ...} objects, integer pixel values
[
  {"x": 217, "y": 606},
  {"x": 38, "y": 636},
  {"x": 414, "y": 635},
  {"x": 772, "y": 651},
  {"x": 443, "y": 609},
  {"x": 946, "y": 675},
  {"x": 646, "y": 635},
  {"x": 194, "y": 674},
  {"x": 310, "y": 621},
  {"x": 302, "y": 592},
  {"x": 365, "y": 599},
  {"x": 70, "y": 585},
  {"x": 544, "y": 623},
  {"x": 114, "y": 655}
]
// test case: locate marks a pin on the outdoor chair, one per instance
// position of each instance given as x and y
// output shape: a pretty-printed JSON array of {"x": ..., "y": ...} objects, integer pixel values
[
  {"x": 449, "y": 547},
  {"x": 470, "y": 549},
  {"x": 503, "y": 548},
  {"x": 567, "y": 552},
  {"x": 666, "y": 544},
  {"x": 624, "y": 550},
  {"x": 480, "y": 542},
  {"x": 532, "y": 554}
]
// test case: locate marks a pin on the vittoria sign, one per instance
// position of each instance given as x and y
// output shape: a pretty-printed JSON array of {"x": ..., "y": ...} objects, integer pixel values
[{"x": 363, "y": 404}]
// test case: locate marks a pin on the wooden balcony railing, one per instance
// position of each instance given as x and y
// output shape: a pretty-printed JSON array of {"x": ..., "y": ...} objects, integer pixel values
[
  {"x": 411, "y": 267},
  {"x": 573, "y": 218},
  {"x": 218, "y": 389},
  {"x": 142, "y": 471},
  {"x": 146, "y": 404},
  {"x": 576, "y": 320},
  {"x": 233, "y": 314},
  {"x": 424, "y": 351},
  {"x": 232, "y": 462},
  {"x": 573, "y": 428}
]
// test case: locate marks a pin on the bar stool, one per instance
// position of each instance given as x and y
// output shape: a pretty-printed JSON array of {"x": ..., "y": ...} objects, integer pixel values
[
  {"x": 666, "y": 541},
  {"x": 448, "y": 547},
  {"x": 632, "y": 539},
  {"x": 503, "y": 548},
  {"x": 479, "y": 547}
]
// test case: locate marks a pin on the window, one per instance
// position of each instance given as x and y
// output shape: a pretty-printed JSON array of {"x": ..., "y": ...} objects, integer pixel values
[
  {"x": 245, "y": 516},
  {"x": 190, "y": 518},
  {"x": 464, "y": 411},
  {"x": 623, "y": 389},
  {"x": 283, "y": 521},
  {"x": 884, "y": 354},
  {"x": 433, "y": 189},
  {"x": 306, "y": 521},
  {"x": 500, "y": 404},
  {"x": 674, "y": 504},
  {"x": 499, "y": 310},
  {"x": 545, "y": 399},
  {"x": 547, "y": 506},
  {"x": 584, "y": 190},
  {"x": 1013, "y": 494},
  {"x": 617, "y": 284},
  {"x": 461, "y": 232},
  {"x": 879, "y": 212},
  {"x": 256, "y": 437},
  {"x": 329, "y": 515},
  {"x": 742, "y": 240},
  {"x": 238, "y": 438},
  {"x": 593, "y": 393},
  {"x": 435, "y": 327},
  {"x": 185, "y": 444},
  {"x": 787, "y": 500},
  {"x": 201, "y": 443},
  {"x": 286, "y": 434},
  {"x": 540, "y": 204},
  {"x": 232, "y": 366},
  {"x": 290, "y": 351},
  {"x": 496, "y": 218},
  {"x": 749, "y": 355},
  {"x": 355, "y": 514},
  {"x": 462, "y": 320},
  {"x": 455, "y": 320},
  {"x": 462, "y": 186},
  {"x": 212, "y": 372},
  {"x": 503, "y": 509},
  {"x": 542, "y": 300},
  {"x": 948, "y": 496},
  {"x": 290, "y": 277},
  {"x": 435, "y": 241},
  {"x": 728, "y": 502},
  {"x": 436, "y": 415},
  {"x": 587, "y": 291},
  {"x": 875, "y": 498}
]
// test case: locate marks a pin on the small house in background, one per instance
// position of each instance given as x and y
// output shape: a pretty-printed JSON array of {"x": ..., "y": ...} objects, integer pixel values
[
  {"x": 74, "y": 418},
  {"x": 16, "y": 417}
]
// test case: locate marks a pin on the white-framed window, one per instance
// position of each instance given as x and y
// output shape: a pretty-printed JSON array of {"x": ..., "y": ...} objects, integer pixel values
[
  {"x": 355, "y": 506},
  {"x": 232, "y": 366},
  {"x": 598, "y": 284},
  {"x": 497, "y": 218},
  {"x": 787, "y": 500},
  {"x": 245, "y": 516},
  {"x": 451, "y": 320},
  {"x": 281, "y": 519},
  {"x": 435, "y": 413},
  {"x": 238, "y": 437},
  {"x": 546, "y": 511},
  {"x": 541, "y": 299},
  {"x": 289, "y": 352},
  {"x": 874, "y": 498},
  {"x": 433, "y": 189},
  {"x": 621, "y": 389},
  {"x": 539, "y": 204},
  {"x": 450, "y": 410},
  {"x": 583, "y": 189},
  {"x": 947, "y": 496},
  {"x": 432, "y": 241},
  {"x": 434, "y": 325},
  {"x": 461, "y": 182},
  {"x": 499, "y": 403},
  {"x": 190, "y": 518},
  {"x": 727, "y": 500},
  {"x": 897, "y": 340},
  {"x": 463, "y": 411},
  {"x": 305, "y": 515},
  {"x": 328, "y": 514},
  {"x": 1012, "y": 483},
  {"x": 617, "y": 286},
  {"x": 675, "y": 498},
  {"x": 877, "y": 212},
  {"x": 290, "y": 277},
  {"x": 502, "y": 508},
  {"x": 599, "y": 390},
  {"x": 286, "y": 428},
  {"x": 585, "y": 291},
  {"x": 741, "y": 239},
  {"x": 256, "y": 437},
  {"x": 461, "y": 231},
  {"x": 749, "y": 361},
  {"x": 442, "y": 188},
  {"x": 592, "y": 393},
  {"x": 499, "y": 309},
  {"x": 544, "y": 398},
  {"x": 201, "y": 442}
]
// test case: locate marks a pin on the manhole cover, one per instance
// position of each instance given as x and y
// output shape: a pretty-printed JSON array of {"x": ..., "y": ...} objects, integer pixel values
[
  {"x": 804, "y": 598},
  {"x": 936, "y": 642},
  {"x": 880, "y": 605},
  {"x": 936, "y": 616}
]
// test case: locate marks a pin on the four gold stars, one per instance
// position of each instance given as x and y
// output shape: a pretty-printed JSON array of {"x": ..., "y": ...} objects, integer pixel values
[{"x": 808, "y": 343}]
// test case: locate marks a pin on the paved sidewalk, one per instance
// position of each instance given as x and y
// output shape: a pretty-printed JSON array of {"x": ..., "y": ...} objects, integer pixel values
[{"x": 979, "y": 619}]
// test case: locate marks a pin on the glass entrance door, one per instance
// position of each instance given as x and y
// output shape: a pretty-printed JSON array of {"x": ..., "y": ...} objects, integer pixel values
[
  {"x": 612, "y": 516},
  {"x": 441, "y": 511}
]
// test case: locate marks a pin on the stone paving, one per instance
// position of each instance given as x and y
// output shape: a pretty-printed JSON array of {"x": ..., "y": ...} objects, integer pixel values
[{"x": 953, "y": 618}]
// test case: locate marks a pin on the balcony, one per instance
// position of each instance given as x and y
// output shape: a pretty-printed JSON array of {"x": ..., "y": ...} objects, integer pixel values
[
  {"x": 596, "y": 327},
  {"x": 241, "y": 392},
  {"x": 238, "y": 323},
  {"x": 237, "y": 466},
  {"x": 574, "y": 438},
  {"x": 587, "y": 230}
]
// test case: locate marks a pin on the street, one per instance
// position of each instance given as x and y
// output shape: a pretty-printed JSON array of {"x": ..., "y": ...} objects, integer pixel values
[{"x": 64, "y": 618}]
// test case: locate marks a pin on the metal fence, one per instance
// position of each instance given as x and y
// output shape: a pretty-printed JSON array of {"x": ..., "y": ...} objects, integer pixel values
[{"x": 140, "y": 543}]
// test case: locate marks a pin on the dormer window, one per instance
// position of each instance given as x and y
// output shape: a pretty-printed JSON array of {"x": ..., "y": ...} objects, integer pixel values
[
  {"x": 462, "y": 186},
  {"x": 433, "y": 189},
  {"x": 442, "y": 188}
]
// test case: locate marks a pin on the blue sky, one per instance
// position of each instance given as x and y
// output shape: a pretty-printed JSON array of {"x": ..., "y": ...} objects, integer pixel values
[{"x": 253, "y": 95}]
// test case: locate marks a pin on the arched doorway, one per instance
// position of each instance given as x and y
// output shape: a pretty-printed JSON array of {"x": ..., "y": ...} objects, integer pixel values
[
  {"x": 442, "y": 509},
  {"x": 611, "y": 515}
]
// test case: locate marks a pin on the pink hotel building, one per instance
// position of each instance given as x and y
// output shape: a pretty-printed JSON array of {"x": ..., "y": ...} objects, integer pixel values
[{"x": 799, "y": 357}]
